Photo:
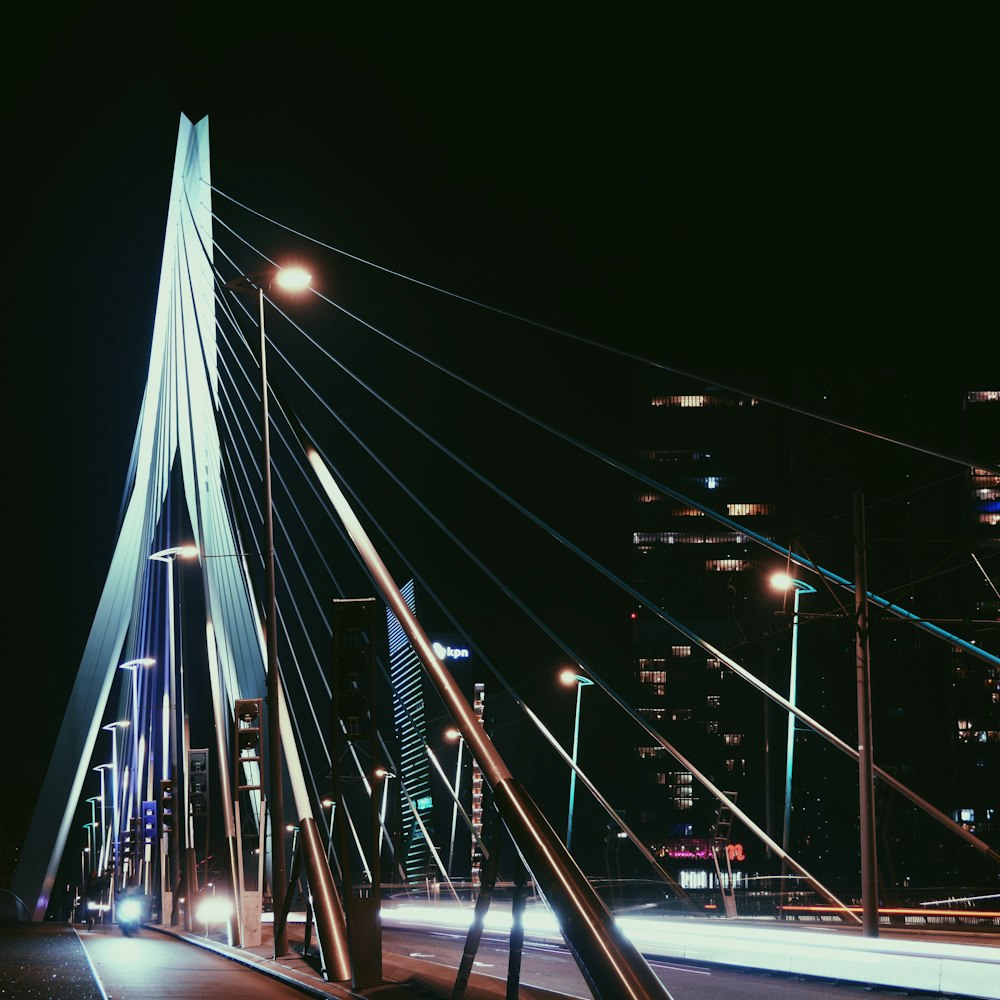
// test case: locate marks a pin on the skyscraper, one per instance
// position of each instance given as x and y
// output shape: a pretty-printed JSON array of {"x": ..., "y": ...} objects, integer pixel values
[{"x": 784, "y": 460}]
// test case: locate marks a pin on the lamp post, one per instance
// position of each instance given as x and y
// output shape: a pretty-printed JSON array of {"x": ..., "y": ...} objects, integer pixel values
[
  {"x": 174, "y": 764},
  {"x": 132, "y": 666},
  {"x": 290, "y": 279},
  {"x": 454, "y": 734},
  {"x": 111, "y": 727},
  {"x": 93, "y": 800},
  {"x": 101, "y": 768},
  {"x": 782, "y": 581},
  {"x": 570, "y": 677},
  {"x": 383, "y": 775}
]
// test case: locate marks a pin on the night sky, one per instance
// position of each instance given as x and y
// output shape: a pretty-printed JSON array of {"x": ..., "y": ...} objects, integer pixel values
[{"x": 718, "y": 196}]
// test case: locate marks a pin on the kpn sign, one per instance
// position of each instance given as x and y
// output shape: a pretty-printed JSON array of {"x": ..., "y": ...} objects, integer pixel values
[{"x": 443, "y": 652}]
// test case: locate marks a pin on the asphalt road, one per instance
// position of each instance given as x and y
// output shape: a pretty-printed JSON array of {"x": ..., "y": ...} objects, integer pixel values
[{"x": 553, "y": 968}]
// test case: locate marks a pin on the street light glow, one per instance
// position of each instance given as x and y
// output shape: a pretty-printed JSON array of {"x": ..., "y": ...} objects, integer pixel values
[
  {"x": 293, "y": 279},
  {"x": 177, "y": 552}
]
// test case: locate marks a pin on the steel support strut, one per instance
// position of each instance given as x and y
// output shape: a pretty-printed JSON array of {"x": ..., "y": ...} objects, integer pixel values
[{"x": 613, "y": 967}]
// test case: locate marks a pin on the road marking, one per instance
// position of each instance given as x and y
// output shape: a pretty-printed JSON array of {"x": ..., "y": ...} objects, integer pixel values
[
  {"x": 90, "y": 962},
  {"x": 680, "y": 968}
]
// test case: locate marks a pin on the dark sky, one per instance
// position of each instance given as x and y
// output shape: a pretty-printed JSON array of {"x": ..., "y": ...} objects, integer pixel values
[{"x": 709, "y": 194}]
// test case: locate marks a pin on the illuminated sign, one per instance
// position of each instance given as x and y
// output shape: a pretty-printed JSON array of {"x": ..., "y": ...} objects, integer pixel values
[
  {"x": 735, "y": 852},
  {"x": 443, "y": 652}
]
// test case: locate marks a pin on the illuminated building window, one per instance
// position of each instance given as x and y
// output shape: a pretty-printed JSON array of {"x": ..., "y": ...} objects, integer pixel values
[
  {"x": 712, "y": 726},
  {"x": 712, "y": 482},
  {"x": 680, "y": 714},
  {"x": 983, "y": 477},
  {"x": 694, "y": 400},
  {"x": 987, "y": 493},
  {"x": 688, "y": 512},
  {"x": 991, "y": 518},
  {"x": 713, "y": 663},
  {"x": 727, "y": 565},
  {"x": 645, "y": 752},
  {"x": 733, "y": 739},
  {"x": 651, "y": 662},
  {"x": 681, "y": 778},
  {"x": 683, "y": 803},
  {"x": 652, "y": 676},
  {"x": 648, "y": 498},
  {"x": 983, "y": 396},
  {"x": 645, "y": 539},
  {"x": 749, "y": 509},
  {"x": 680, "y": 651},
  {"x": 656, "y": 714},
  {"x": 672, "y": 455},
  {"x": 714, "y": 700}
]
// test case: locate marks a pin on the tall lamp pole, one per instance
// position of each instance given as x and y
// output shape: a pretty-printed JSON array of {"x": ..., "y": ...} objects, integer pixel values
[
  {"x": 570, "y": 677},
  {"x": 116, "y": 832},
  {"x": 291, "y": 279},
  {"x": 99, "y": 863},
  {"x": 782, "y": 581},
  {"x": 454, "y": 734},
  {"x": 177, "y": 754},
  {"x": 132, "y": 666}
]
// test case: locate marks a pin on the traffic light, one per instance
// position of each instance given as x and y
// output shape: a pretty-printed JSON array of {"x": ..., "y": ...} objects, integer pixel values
[
  {"x": 353, "y": 667},
  {"x": 132, "y": 840},
  {"x": 198, "y": 781},
  {"x": 247, "y": 742},
  {"x": 167, "y": 812}
]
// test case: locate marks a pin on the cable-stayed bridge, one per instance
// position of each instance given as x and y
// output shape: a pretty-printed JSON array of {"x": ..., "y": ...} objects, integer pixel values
[{"x": 193, "y": 636}]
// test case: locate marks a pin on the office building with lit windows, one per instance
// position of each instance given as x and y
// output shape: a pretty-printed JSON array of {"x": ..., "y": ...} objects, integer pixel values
[{"x": 932, "y": 543}]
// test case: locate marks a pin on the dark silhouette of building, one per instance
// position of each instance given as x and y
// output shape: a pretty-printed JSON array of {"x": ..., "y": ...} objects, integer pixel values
[{"x": 931, "y": 543}]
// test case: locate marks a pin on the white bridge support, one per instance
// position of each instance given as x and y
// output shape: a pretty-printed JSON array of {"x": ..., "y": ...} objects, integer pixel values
[{"x": 177, "y": 423}]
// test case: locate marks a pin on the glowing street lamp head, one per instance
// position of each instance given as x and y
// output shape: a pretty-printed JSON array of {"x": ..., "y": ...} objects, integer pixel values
[
  {"x": 452, "y": 734},
  {"x": 570, "y": 677},
  {"x": 177, "y": 552},
  {"x": 146, "y": 661},
  {"x": 293, "y": 279},
  {"x": 782, "y": 581}
]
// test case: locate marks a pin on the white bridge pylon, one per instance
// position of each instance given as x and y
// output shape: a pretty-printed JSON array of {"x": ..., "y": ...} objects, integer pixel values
[{"x": 177, "y": 422}]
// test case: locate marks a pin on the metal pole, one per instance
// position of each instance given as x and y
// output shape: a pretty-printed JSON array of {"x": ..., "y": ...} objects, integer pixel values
[
  {"x": 114, "y": 810},
  {"x": 572, "y": 772},
  {"x": 790, "y": 742},
  {"x": 866, "y": 779},
  {"x": 174, "y": 853},
  {"x": 222, "y": 727},
  {"x": 275, "y": 792},
  {"x": 454, "y": 806},
  {"x": 612, "y": 966}
]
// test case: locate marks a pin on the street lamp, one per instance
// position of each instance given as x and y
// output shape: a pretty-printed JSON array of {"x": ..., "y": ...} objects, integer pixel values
[
  {"x": 171, "y": 766},
  {"x": 101, "y": 768},
  {"x": 454, "y": 734},
  {"x": 111, "y": 727},
  {"x": 570, "y": 677},
  {"x": 783, "y": 582},
  {"x": 132, "y": 666},
  {"x": 290, "y": 279}
]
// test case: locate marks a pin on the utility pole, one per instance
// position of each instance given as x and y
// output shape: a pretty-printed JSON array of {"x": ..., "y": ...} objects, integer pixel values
[{"x": 866, "y": 781}]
